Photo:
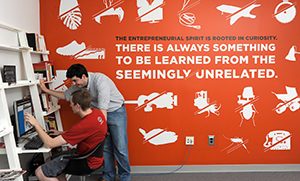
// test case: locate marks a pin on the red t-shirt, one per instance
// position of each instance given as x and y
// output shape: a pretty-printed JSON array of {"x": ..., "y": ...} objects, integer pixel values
[{"x": 87, "y": 134}]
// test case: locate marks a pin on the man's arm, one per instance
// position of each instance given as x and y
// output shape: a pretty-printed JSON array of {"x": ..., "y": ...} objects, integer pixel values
[
  {"x": 47, "y": 140},
  {"x": 58, "y": 94}
]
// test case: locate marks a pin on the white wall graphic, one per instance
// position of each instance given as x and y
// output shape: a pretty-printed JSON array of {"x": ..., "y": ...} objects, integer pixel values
[
  {"x": 61, "y": 83},
  {"x": 291, "y": 56},
  {"x": 285, "y": 11},
  {"x": 278, "y": 140},
  {"x": 246, "y": 101},
  {"x": 111, "y": 9},
  {"x": 290, "y": 100},
  {"x": 236, "y": 143},
  {"x": 80, "y": 51},
  {"x": 202, "y": 102},
  {"x": 188, "y": 19},
  {"x": 237, "y": 12},
  {"x": 159, "y": 100},
  {"x": 158, "y": 136},
  {"x": 70, "y": 14},
  {"x": 150, "y": 12}
]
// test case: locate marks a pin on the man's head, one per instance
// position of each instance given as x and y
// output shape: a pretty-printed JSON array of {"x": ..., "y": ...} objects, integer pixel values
[
  {"x": 80, "y": 100},
  {"x": 78, "y": 74}
]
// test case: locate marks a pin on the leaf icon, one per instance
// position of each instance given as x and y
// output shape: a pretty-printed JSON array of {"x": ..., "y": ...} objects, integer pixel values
[{"x": 72, "y": 19}]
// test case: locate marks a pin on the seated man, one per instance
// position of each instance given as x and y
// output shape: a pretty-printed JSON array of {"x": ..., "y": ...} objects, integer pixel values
[{"x": 87, "y": 134}]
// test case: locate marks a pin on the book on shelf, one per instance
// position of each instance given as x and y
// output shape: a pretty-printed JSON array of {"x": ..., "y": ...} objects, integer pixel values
[
  {"x": 41, "y": 43},
  {"x": 42, "y": 47},
  {"x": 45, "y": 68},
  {"x": 45, "y": 102},
  {"x": 51, "y": 121},
  {"x": 36, "y": 42},
  {"x": 9, "y": 74},
  {"x": 2, "y": 144},
  {"x": 31, "y": 40}
]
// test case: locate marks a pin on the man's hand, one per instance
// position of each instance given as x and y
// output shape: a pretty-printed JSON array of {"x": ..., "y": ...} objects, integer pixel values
[
  {"x": 54, "y": 132},
  {"x": 43, "y": 86},
  {"x": 30, "y": 119}
]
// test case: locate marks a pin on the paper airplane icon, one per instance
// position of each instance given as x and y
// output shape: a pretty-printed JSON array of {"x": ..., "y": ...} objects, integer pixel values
[{"x": 237, "y": 12}]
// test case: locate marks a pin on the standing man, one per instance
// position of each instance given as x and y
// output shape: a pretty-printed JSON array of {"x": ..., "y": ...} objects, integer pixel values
[
  {"x": 87, "y": 134},
  {"x": 107, "y": 98}
]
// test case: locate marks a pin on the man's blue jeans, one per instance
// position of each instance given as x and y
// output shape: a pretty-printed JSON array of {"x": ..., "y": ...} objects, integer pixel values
[{"x": 116, "y": 146}]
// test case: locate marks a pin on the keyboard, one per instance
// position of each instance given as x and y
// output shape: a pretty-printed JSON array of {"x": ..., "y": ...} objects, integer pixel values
[{"x": 34, "y": 143}]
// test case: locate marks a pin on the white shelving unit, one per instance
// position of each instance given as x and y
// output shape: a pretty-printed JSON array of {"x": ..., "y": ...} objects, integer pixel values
[{"x": 17, "y": 46}]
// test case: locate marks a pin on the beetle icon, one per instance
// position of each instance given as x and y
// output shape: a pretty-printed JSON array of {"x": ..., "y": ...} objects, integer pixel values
[{"x": 247, "y": 109}]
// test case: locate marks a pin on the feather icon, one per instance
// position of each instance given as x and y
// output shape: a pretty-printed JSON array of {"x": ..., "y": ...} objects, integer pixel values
[{"x": 70, "y": 14}]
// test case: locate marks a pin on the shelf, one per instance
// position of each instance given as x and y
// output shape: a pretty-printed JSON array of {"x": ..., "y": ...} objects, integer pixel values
[
  {"x": 6, "y": 131},
  {"x": 9, "y": 27},
  {"x": 52, "y": 110},
  {"x": 20, "y": 51},
  {"x": 40, "y": 150},
  {"x": 13, "y": 48},
  {"x": 11, "y": 174},
  {"x": 21, "y": 150},
  {"x": 20, "y": 83},
  {"x": 39, "y": 52}
]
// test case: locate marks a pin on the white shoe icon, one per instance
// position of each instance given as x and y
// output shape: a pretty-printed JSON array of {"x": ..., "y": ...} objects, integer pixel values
[
  {"x": 80, "y": 51},
  {"x": 71, "y": 49}
]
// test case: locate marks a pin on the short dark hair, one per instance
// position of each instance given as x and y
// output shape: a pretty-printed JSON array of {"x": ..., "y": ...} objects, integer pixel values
[
  {"x": 83, "y": 98},
  {"x": 76, "y": 70}
]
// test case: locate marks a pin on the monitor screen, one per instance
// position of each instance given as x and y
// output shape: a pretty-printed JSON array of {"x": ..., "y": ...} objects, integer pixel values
[{"x": 20, "y": 108}]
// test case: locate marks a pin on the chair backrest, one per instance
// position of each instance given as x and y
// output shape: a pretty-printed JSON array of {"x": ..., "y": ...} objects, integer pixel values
[
  {"x": 74, "y": 161},
  {"x": 96, "y": 152}
]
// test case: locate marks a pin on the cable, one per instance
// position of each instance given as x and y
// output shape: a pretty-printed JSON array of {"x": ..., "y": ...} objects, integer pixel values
[{"x": 173, "y": 171}]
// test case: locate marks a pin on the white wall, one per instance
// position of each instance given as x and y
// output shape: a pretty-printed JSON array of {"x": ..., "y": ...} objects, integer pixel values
[{"x": 23, "y": 14}]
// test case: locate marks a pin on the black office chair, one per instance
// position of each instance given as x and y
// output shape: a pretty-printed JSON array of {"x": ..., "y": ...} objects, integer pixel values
[{"x": 81, "y": 160}]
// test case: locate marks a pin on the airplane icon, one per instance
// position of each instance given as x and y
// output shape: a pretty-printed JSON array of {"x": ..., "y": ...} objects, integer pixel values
[{"x": 237, "y": 12}]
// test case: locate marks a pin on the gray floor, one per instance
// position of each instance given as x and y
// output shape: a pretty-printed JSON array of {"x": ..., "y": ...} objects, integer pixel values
[{"x": 253, "y": 176}]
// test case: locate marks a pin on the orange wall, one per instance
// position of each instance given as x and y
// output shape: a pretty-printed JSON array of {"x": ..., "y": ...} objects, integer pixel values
[{"x": 181, "y": 119}]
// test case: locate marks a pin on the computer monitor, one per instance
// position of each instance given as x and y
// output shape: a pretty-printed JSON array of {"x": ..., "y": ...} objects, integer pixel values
[{"x": 20, "y": 108}]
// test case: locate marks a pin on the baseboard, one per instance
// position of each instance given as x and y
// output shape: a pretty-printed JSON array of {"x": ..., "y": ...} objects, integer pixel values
[{"x": 217, "y": 168}]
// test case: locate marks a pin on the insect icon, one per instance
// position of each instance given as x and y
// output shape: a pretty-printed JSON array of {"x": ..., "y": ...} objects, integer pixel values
[
  {"x": 247, "y": 109},
  {"x": 236, "y": 143},
  {"x": 201, "y": 101}
]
